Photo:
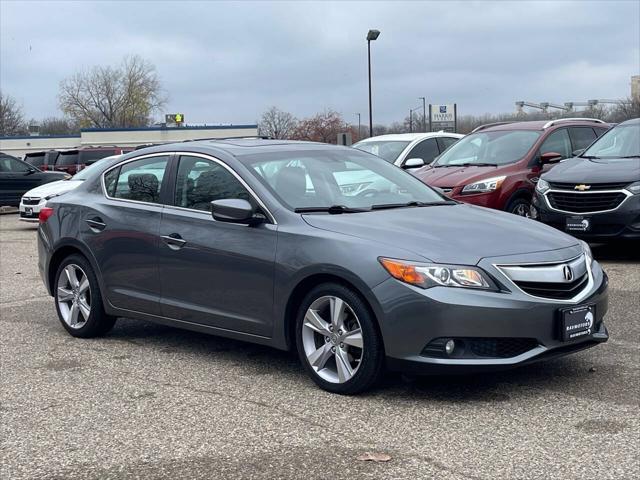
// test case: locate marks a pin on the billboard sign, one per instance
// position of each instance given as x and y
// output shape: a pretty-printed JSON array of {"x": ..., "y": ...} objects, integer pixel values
[
  {"x": 443, "y": 117},
  {"x": 174, "y": 118}
]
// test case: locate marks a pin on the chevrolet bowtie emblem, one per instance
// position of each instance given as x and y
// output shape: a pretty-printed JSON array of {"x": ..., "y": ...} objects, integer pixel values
[{"x": 582, "y": 187}]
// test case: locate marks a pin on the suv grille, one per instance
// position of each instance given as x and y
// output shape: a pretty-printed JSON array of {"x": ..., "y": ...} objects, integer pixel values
[
  {"x": 592, "y": 187},
  {"x": 585, "y": 202},
  {"x": 30, "y": 201}
]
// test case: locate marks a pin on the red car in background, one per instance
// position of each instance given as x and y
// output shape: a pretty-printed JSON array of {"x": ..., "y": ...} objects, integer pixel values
[
  {"x": 72, "y": 161},
  {"x": 497, "y": 165}
]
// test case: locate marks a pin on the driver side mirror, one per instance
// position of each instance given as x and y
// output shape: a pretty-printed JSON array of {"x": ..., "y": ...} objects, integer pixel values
[
  {"x": 30, "y": 171},
  {"x": 550, "y": 157},
  {"x": 234, "y": 210},
  {"x": 413, "y": 163}
]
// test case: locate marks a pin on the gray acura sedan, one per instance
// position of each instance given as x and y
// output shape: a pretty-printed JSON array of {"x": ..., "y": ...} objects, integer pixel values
[{"x": 324, "y": 249}]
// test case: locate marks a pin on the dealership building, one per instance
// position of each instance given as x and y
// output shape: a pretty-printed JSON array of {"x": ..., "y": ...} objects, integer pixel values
[{"x": 121, "y": 137}]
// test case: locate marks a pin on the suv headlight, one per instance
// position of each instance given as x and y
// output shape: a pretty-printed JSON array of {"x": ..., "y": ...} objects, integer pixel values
[
  {"x": 483, "y": 186},
  {"x": 427, "y": 275},
  {"x": 634, "y": 188},
  {"x": 542, "y": 185}
]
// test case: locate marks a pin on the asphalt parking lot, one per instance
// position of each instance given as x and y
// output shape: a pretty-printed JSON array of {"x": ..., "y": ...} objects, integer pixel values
[{"x": 154, "y": 402}]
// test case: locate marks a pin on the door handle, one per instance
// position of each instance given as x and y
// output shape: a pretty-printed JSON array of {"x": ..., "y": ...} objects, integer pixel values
[
  {"x": 174, "y": 241},
  {"x": 96, "y": 224}
]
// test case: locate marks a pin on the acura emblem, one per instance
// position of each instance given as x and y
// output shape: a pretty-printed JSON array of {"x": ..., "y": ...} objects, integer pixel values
[
  {"x": 567, "y": 273},
  {"x": 582, "y": 187}
]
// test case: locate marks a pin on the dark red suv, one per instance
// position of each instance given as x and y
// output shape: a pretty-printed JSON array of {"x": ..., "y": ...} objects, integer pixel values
[
  {"x": 497, "y": 165},
  {"x": 72, "y": 161}
]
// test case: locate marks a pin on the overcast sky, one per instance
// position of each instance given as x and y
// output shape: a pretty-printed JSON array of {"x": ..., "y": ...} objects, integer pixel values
[{"x": 228, "y": 62}]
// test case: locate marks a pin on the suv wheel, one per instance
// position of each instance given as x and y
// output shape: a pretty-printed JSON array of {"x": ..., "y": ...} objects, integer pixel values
[
  {"x": 78, "y": 299},
  {"x": 520, "y": 207},
  {"x": 337, "y": 340}
]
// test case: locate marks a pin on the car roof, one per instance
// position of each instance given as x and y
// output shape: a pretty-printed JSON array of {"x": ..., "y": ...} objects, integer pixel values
[
  {"x": 542, "y": 124},
  {"x": 633, "y": 121},
  {"x": 410, "y": 137}
]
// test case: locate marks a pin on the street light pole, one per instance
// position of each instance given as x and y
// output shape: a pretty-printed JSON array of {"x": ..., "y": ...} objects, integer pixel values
[
  {"x": 424, "y": 112},
  {"x": 371, "y": 35},
  {"x": 410, "y": 120},
  {"x": 359, "y": 134}
]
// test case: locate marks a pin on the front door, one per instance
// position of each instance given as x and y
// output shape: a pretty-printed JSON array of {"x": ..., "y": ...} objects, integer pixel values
[{"x": 214, "y": 273}]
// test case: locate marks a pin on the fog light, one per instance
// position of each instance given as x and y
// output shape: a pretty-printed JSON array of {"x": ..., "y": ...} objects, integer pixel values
[{"x": 449, "y": 347}]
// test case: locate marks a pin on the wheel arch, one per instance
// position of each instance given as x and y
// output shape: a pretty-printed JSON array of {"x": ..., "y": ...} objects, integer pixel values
[
  {"x": 64, "y": 249},
  {"x": 307, "y": 283}
]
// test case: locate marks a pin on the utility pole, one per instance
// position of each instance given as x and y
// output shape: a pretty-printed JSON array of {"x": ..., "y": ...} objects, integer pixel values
[
  {"x": 359, "y": 133},
  {"x": 424, "y": 112}
]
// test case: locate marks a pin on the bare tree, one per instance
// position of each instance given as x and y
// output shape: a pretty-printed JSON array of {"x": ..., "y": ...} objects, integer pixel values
[
  {"x": 277, "y": 124},
  {"x": 11, "y": 117},
  {"x": 323, "y": 127},
  {"x": 57, "y": 126},
  {"x": 122, "y": 96},
  {"x": 626, "y": 110}
]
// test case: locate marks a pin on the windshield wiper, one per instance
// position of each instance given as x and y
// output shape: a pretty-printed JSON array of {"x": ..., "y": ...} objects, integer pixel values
[
  {"x": 333, "y": 209},
  {"x": 587, "y": 156},
  {"x": 630, "y": 156},
  {"x": 384, "y": 206},
  {"x": 478, "y": 164}
]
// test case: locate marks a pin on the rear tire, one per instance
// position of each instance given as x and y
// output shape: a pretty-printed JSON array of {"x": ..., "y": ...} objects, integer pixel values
[
  {"x": 78, "y": 299},
  {"x": 338, "y": 341}
]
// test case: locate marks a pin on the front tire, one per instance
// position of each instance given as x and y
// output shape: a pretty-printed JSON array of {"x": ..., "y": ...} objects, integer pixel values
[
  {"x": 337, "y": 340},
  {"x": 78, "y": 299},
  {"x": 520, "y": 206}
]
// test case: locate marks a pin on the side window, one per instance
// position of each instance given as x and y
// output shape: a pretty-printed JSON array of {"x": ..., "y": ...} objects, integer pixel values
[
  {"x": 600, "y": 131},
  {"x": 446, "y": 142},
  {"x": 200, "y": 181},
  {"x": 139, "y": 180},
  {"x": 557, "y": 142},
  {"x": 581, "y": 137},
  {"x": 12, "y": 165},
  {"x": 427, "y": 150}
]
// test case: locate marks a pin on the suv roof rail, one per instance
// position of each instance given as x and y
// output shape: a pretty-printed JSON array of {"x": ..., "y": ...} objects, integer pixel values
[
  {"x": 487, "y": 125},
  {"x": 573, "y": 119},
  {"x": 256, "y": 137}
]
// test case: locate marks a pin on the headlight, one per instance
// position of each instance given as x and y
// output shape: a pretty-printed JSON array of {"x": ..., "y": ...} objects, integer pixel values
[
  {"x": 542, "y": 185},
  {"x": 427, "y": 275},
  {"x": 483, "y": 186},
  {"x": 634, "y": 188},
  {"x": 587, "y": 253}
]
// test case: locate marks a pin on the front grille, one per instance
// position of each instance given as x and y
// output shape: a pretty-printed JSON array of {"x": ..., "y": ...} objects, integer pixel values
[
  {"x": 560, "y": 291},
  {"x": 501, "y": 347},
  {"x": 585, "y": 202},
  {"x": 592, "y": 186},
  {"x": 30, "y": 201}
]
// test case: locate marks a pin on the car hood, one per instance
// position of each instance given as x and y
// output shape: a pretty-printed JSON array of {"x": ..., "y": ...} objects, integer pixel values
[
  {"x": 595, "y": 170},
  {"x": 53, "y": 188},
  {"x": 453, "y": 176},
  {"x": 458, "y": 234}
]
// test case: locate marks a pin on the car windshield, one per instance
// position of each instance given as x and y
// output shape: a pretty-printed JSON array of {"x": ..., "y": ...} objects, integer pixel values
[
  {"x": 390, "y": 150},
  {"x": 494, "y": 148},
  {"x": 619, "y": 142},
  {"x": 342, "y": 178}
]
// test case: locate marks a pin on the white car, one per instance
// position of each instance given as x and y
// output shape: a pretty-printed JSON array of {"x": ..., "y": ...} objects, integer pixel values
[
  {"x": 36, "y": 198},
  {"x": 409, "y": 150}
]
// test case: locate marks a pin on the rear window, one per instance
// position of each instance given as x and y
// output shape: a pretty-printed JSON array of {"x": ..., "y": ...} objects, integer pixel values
[
  {"x": 35, "y": 160},
  {"x": 88, "y": 157},
  {"x": 65, "y": 159}
]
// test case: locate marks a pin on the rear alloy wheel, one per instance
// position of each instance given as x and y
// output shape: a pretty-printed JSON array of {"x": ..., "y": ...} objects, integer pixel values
[
  {"x": 78, "y": 299},
  {"x": 337, "y": 340},
  {"x": 520, "y": 207}
]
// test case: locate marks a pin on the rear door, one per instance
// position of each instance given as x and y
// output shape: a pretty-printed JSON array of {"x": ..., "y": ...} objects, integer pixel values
[
  {"x": 121, "y": 228},
  {"x": 215, "y": 273}
]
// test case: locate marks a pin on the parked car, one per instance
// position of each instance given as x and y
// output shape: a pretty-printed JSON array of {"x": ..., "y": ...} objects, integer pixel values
[
  {"x": 228, "y": 238},
  {"x": 36, "y": 198},
  {"x": 42, "y": 160},
  {"x": 409, "y": 150},
  {"x": 17, "y": 177},
  {"x": 596, "y": 196},
  {"x": 72, "y": 161},
  {"x": 498, "y": 165}
]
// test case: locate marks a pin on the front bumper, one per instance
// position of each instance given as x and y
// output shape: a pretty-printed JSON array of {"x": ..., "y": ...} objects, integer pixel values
[
  {"x": 29, "y": 213},
  {"x": 621, "y": 223},
  {"x": 414, "y": 319}
]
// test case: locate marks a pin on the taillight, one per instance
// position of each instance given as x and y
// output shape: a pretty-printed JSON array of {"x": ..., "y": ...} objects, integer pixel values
[{"x": 45, "y": 213}]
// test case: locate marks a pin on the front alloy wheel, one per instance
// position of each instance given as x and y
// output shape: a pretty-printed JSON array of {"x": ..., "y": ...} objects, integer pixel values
[
  {"x": 338, "y": 339},
  {"x": 74, "y": 296}
]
